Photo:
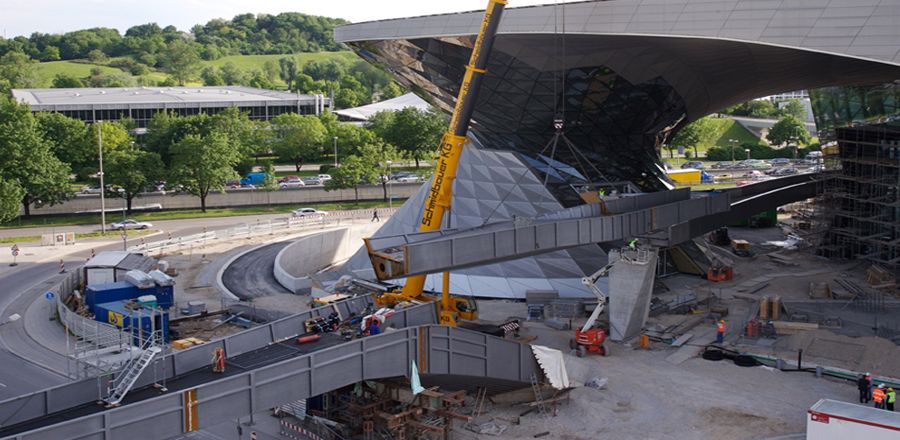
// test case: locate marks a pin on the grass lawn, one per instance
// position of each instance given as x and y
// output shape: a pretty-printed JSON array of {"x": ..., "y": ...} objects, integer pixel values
[
  {"x": 80, "y": 236},
  {"x": 93, "y": 219}
]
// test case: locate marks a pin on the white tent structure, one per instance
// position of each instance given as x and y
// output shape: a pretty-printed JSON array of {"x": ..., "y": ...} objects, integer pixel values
[{"x": 362, "y": 114}]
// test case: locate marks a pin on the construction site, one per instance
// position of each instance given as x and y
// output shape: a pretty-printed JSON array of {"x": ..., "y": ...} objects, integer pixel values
[{"x": 548, "y": 282}]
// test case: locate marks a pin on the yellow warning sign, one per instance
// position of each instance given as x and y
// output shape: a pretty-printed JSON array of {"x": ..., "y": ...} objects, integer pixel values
[{"x": 115, "y": 318}]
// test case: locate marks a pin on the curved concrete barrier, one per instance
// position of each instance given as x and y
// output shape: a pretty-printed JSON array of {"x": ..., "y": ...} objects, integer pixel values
[{"x": 310, "y": 254}]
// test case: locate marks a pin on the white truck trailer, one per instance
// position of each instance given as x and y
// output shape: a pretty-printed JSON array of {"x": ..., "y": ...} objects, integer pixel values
[{"x": 834, "y": 420}]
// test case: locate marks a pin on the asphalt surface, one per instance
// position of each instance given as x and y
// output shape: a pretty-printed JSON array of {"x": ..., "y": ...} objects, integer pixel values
[{"x": 251, "y": 275}]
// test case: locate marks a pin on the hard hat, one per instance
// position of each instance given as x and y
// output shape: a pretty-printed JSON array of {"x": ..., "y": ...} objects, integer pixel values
[
  {"x": 722, "y": 321},
  {"x": 881, "y": 386}
]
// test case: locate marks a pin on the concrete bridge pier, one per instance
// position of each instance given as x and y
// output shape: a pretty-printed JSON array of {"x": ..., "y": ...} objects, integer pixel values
[{"x": 630, "y": 288}]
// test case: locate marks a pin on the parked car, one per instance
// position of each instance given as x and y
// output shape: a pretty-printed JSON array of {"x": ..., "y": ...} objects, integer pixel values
[
  {"x": 754, "y": 173},
  {"x": 308, "y": 212},
  {"x": 312, "y": 180},
  {"x": 814, "y": 155},
  {"x": 324, "y": 177},
  {"x": 780, "y": 161},
  {"x": 131, "y": 224},
  {"x": 412, "y": 178},
  {"x": 288, "y": 178},
  {"x": 399, "y": 174},
  {"x": 87, "y": 189},
  {"x": 291, "y": 184},
  {"x": 786, "y": 171},
  {"x": 692, "y": 164}
]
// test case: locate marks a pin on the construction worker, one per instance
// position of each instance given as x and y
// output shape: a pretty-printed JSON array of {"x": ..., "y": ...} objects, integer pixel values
[
  {"x": 878, "y": 395},
  {"x": 864, "y": 384},
  {"x": 632, "y": 244},
  {"x": 890, "y": 398},
  {"x": 218, "y": 360},
  {"x": 869, "y": 392},
  {"x": 720, "y": 331}
]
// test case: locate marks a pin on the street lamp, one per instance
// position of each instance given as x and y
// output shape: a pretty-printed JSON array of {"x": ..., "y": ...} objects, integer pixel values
[
  {"x": 733, "y": 143},
  {"x": 102, "y": 186},
  {"x": 335, "y": 152},
  {"x": 390, "y": 188},
  {"x": 748, "y": 153}
]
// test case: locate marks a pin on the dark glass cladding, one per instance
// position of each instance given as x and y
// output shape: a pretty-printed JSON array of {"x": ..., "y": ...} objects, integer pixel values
[
  {"x": 617, "y": 125},
  {"x": 836, "y": 107}
]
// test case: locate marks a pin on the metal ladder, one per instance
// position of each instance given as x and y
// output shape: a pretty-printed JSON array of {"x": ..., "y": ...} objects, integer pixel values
[
  {"x": 538, "y": 396},
  {"x": 122, "y": 384}
]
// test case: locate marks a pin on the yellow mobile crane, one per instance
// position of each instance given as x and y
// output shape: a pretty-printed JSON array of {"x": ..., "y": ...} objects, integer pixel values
[{"x": 437, "y": 204}]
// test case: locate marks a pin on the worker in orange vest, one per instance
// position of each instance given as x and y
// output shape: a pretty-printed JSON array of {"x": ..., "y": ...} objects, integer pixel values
[
  {"x": 878, "y": 396},
  {"x": 720, "y": 331}
]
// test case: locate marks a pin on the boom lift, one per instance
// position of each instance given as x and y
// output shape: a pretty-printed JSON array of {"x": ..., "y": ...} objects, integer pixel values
[
  {"x": 437, "y": 204},
  {"x": 587, "y": 338}
]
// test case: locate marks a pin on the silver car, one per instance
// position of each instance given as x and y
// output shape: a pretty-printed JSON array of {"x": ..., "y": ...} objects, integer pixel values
[{"x": 131, "y": 224}]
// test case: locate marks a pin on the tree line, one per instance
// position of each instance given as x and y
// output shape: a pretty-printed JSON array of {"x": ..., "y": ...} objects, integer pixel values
[
  {"x": 245, "y": 34},
  {"x": 41, "y": 153}
]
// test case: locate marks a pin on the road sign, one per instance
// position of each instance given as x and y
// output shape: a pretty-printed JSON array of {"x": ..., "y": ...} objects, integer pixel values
[
  {"x": 15, "y": 250},
  {"x": 49, "y": 296}
]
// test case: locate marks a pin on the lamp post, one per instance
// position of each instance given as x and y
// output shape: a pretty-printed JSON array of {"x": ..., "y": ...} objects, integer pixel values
[
  {"x": 335, "y": 152},
  {"x": 748, "y": 153},
  {"x": 733, "y": 143},
  {"x": 390, "y": 188},
  {"x": 102, "y": 186}
]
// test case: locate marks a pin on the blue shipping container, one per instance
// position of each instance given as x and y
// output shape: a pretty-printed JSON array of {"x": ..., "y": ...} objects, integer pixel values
[
  {"x": 120, "y": 291},
  {"x": 132, "y": 321}
]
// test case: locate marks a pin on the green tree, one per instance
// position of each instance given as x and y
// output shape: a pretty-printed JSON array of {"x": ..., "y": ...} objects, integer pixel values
[
  {"x": 69, "y": 139},
  {"x": 391, "y": 90},
  {"x": 50, "y": 53},
  {"x": 691, "y": 135},
  {"x": 794, "y": 107},
  {"x": 271, "y": 70},
  {"x": 761, "y": 108},
  {"x": 63, "y": 81},
  {"x": 26, "y": 158},
  {"x": 788, "y": 129},
  {"x": 11, "y": 195},
  {"x": 287, "y": 71},
  {"x": 97, "y": 56},
  {"x": 17, "y": 69},
  {"x": 181, "y": 61},
  {"x": 297, "y": 138},
  {"x": 232, "y": 74},
  {"x": 204, "y": 164},
  {"x": 375, "y": 156},
  {"x": 132, "y": 169},
  {"x": 415, "y": 132},
  {"x": 353, "y": 172},
  {"x": 211, "y": 77}
]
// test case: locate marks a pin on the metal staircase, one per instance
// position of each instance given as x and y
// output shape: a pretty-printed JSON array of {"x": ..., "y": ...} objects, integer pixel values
[{"x": 123, "y": 383}]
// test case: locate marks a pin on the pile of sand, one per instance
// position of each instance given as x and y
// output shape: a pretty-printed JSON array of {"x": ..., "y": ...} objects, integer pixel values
[{"x": 876, "y": 355}]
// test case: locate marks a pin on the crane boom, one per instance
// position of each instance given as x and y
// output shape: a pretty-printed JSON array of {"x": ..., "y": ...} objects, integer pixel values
[{"x": 440, "y": 193}]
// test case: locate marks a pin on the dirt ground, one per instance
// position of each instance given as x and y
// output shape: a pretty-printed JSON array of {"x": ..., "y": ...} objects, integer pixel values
[{"x": 647, "y": 397}]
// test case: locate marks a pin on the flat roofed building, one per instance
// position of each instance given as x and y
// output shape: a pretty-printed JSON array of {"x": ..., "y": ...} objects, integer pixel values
[{"x": 141, "y": 103}]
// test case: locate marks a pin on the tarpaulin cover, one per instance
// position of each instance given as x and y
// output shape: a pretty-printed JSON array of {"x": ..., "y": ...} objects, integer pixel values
[{"x": 553, "y": 365}]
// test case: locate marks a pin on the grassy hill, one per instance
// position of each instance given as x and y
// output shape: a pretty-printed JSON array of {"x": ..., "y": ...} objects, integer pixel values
[
  {"x": 82, "y": 68},
  {"x": 726, "y": 129}
]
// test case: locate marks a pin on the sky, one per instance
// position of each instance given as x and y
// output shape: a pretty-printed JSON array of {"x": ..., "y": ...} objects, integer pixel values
[{"x": 18, "y": 17}]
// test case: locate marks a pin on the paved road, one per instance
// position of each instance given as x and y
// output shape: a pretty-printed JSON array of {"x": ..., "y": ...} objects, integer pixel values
[
  {"x": 176, "y": 227},
  {"x": 251, "y": 276},
  {"x": 17, "y": 375}
]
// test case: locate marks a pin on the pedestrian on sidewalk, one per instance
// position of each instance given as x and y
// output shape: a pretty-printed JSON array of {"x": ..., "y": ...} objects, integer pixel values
[
  {"x": 720, "y": 332},
  {"x": 878, "y": 395},
  {"x": 864, "y": 384},
  {"x": 375, "y": 215},
  {"x": 890, "y": 398}
]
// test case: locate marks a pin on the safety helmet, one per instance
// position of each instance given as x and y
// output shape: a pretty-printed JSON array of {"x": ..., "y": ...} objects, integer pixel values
[{"x": 881, "y": 386}]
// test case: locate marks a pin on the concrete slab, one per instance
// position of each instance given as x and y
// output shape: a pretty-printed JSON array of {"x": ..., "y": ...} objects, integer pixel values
[{"x": 630, "y": 288}]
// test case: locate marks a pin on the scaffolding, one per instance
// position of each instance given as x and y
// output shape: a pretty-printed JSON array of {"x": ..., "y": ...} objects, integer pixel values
[{"x": 860, "y": 199}]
